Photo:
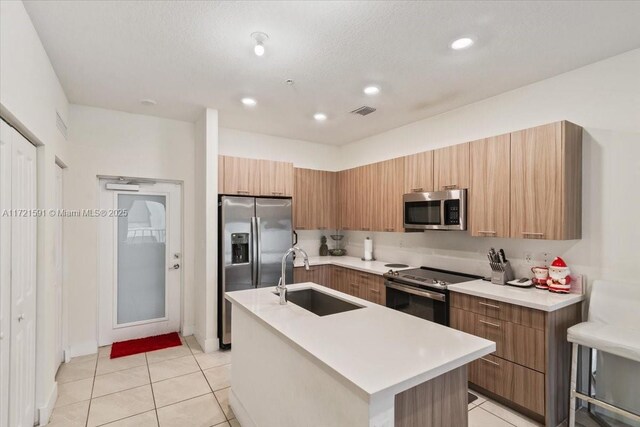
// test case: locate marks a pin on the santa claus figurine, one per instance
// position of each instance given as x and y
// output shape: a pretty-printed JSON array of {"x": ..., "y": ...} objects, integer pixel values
[{"x": 559, "y": 277}]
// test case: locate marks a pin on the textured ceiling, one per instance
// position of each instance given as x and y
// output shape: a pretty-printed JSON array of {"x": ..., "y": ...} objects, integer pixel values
[{"x": 187, "y": 55}]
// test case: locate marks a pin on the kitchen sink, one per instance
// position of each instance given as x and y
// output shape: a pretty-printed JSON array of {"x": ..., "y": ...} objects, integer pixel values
[{"x": 318, "y": 302}]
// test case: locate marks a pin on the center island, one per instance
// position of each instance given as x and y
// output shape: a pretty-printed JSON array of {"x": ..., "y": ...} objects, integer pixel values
[{"x": 368, "y": 366}]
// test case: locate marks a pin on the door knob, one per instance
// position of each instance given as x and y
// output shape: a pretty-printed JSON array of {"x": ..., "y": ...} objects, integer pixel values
[
  {"x": 21, "y": 317},
  {"x": 175, "y": 267}
]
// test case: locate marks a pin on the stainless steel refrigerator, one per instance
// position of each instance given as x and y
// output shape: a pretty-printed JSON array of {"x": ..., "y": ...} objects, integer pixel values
[{"x": 254, "y": 234}]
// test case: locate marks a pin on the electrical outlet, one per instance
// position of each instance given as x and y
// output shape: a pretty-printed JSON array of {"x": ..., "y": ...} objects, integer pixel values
[{"x": 528, "y": 257}]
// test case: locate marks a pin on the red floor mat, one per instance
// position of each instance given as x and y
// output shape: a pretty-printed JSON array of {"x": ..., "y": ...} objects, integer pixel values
[{"x": 142, "y": 345}]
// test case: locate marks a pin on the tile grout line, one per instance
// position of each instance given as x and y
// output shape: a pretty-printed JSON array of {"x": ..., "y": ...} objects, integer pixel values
[
  {"x": 211, "y": 388},
  {"x": 95, "y": 370},
  {"x": 495, "y": 415},
  {"x": 153, "y": 395}
]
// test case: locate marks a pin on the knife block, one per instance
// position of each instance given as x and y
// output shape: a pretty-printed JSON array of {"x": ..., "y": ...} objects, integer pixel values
[{"x": 501, "y": 273}]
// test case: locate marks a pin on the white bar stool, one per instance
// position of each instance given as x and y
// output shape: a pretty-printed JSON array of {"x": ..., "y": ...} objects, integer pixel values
[{"x": 613, "y": 327}]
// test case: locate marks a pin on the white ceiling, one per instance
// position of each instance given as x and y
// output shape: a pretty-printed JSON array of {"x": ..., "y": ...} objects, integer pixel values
[{"x": 187, "y": 55}]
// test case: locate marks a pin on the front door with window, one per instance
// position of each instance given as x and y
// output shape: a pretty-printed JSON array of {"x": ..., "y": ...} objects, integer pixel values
[{"x": 140, "y": 261}]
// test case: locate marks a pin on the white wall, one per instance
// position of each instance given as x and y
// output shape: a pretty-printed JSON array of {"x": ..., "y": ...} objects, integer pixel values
[
  {"x": 30, "y": 95},
  {"x": 604, "y": 98},
  {"x": 206, "y": 230},
  {"x": 303, "y": 154},
  {"x": 112, "y": 143}
]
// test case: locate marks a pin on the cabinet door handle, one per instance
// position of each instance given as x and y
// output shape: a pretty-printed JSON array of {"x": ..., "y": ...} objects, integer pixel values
[
  {"x": 495, "y": 325},
  {"x": 490, "y": 361},
  {"x": 487, "y": 232},
  {"x": 375, "y": 291},
  {"x": 365, "y": 229},
  {"x": 300, "y": 228},
  {"x": 497, "y": 307},
  {"x": 277, "y": 193},
  {"x": 389, "y": 229},
  {"x": 417, "y": 190},
  {"x": 530, "y": 233},
  {"x": 322, "y": 228},
  {"x": 450, "y": 187},
  {"x": 242, "y": 192}
]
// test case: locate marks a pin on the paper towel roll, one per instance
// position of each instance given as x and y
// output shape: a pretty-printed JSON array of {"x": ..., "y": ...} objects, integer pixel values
[{"x": 368, "y": 249}]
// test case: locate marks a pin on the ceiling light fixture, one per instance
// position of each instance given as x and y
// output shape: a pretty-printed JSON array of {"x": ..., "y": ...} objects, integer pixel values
[
  {"x": 148, "y": 101},
  {"x": 320, "y": 117},
  {"x": 259, "y": 38},
  {"x": 249, "y": 102},
  {"x": 371, "y": 90},
  {"x": 462, "y": 43}
]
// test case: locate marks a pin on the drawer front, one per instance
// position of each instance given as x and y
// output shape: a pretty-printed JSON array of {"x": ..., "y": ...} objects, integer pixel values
[
  {"x": 522, "y": 386},
  {"x": 499, "y": 310},
  {"x": 515, "y": 343}
]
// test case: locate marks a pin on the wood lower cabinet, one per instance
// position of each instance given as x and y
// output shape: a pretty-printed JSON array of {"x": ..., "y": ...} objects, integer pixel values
[
  {"x": 546, "y": 190},
  {"x": 314, "y": 200},
  {"x": 320, "y": 274},
  {"x": 530, "y": 368},
  {"x": 418, "y": 172},
  {"x": 451, "y": 167},
  {"x": 363, "y": 285},
  {"x": 490, "y": 187}
]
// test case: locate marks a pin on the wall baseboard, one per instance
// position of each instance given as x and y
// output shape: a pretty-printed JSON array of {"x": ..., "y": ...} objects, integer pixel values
[
  {"x": 187, "y": 330},
  {"x": 82, "y": 349},
  {"x": 44, "y": 412}
]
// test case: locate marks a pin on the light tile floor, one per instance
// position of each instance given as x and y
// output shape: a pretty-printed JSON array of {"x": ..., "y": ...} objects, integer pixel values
[{"x": 179, "y": 387}]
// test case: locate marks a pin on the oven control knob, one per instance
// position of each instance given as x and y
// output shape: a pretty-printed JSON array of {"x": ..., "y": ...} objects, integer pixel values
[{"x": 442, "y": 283}]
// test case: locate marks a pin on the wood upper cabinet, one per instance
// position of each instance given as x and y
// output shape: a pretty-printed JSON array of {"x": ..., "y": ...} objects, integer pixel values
[
  {"x": 314, "y": 201},
  {"x": 365, "y": 179},
  {"x": 387, "y": 193},
  {"x": 418, "y": 172},
  {"x": 276, "y": 178},
  {"x": 241, "y": 176},
  {"x": 451, "y": 167},
  {"x": 238, "y": 175},
  {"x": 220, "y": 174},
  {"x": 490, "y": 187},
  {"x": 546, "y": 188}
]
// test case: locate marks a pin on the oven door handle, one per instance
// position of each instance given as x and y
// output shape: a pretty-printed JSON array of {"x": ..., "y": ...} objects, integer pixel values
[{"x": 419, "y": 292}]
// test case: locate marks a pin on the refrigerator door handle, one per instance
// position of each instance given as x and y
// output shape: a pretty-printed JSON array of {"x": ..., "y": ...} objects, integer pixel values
[
  {"x": 258, "y": 253},
  {"x": 254, "y": 252}
]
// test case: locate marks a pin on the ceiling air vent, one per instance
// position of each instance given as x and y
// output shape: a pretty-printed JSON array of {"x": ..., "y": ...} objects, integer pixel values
[{"x": 364, "y": 110}]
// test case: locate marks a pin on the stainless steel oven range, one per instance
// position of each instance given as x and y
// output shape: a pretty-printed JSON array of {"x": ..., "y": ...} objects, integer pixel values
[{"x": 422, "y": 292}]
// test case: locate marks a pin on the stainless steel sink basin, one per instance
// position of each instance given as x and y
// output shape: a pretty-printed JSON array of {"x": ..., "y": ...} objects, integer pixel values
[{"x": 318, "y": 302}]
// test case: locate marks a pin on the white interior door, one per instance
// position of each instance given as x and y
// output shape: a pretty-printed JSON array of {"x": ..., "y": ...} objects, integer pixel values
[
  {"x": 18, "y": 277},
  {"x": 57, "y": 285},
  {"x": 5, "y": 266},
  {"x": 140, "y": 262}
]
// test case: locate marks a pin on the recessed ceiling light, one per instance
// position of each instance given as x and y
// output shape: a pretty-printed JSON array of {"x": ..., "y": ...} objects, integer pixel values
[
  {"x": 259, "y": 38},
  {"x": 462, "y": 43},
  {"x": 249, "y": 102},
  {"x": 148, "y": 101},
  {"x": 320, "y": 117},
  {"x": 372, "y": 90}
]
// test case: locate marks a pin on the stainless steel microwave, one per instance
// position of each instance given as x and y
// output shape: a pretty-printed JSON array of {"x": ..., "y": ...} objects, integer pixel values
[{"x": 436, "y": 210}]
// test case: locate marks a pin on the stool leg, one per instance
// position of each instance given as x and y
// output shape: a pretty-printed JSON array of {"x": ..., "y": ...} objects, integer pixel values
[{"x": 572, "y": 387}]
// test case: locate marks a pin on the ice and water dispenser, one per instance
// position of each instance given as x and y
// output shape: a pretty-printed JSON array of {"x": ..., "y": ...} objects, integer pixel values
[{"x": 239, "y": 248}]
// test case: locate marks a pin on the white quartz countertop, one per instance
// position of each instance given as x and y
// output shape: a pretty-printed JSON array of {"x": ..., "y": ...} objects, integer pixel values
[
  {"x": 355, "y": 263},
  {"x": 377, "y": 349},
  {"x": 527, "y": 297}
]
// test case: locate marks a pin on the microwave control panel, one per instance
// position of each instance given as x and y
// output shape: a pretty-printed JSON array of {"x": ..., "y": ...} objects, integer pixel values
[{"x": 452, "y": 212}]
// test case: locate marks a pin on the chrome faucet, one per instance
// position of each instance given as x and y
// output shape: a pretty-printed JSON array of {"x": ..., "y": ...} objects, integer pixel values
[{"x": 282, "y": 289}]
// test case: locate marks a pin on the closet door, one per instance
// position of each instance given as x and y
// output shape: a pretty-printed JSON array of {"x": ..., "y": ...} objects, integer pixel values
[
  {"x": 5, "y": 265},
  {"x": 21, "y": 254}
]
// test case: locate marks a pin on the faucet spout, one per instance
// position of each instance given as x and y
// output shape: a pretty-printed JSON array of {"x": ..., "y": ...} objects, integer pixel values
[{"x": 282, "y": 288}]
